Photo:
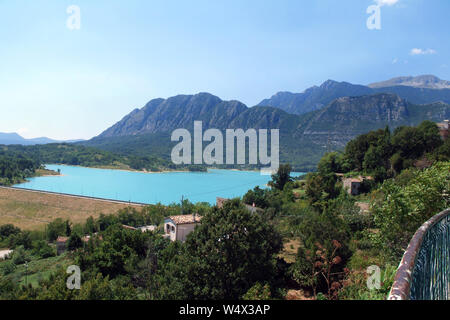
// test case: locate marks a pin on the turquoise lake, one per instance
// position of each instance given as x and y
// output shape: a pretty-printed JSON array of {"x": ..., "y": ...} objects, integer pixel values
[{"x": 149, "y": 188}]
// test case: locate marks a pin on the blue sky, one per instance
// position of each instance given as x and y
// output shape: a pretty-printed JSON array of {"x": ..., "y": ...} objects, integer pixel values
[{"x": 69, "y": 84}]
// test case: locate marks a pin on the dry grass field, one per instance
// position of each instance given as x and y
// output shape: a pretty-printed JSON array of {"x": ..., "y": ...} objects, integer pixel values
[{"x": 31, "y": 210}]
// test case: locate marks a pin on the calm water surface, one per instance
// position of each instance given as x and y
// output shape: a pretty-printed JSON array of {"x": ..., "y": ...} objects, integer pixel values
[{"x": 151, "y": 188}]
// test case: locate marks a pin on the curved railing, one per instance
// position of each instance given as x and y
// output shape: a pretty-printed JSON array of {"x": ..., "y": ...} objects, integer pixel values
[{"x": 424, "y": 272}]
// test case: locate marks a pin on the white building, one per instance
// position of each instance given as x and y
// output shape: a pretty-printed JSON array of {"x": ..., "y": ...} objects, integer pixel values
[{"x": 176, "y": 228}]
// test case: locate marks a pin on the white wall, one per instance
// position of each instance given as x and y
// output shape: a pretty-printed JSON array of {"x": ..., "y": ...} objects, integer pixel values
[{"x": 172, "y": 234}]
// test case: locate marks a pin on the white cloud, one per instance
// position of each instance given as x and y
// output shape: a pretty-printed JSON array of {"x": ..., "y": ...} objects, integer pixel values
[
  {"x": 418, "y": 51},
  {"x": 394, "y": 61},
  {"x": 386, "y": 2}
]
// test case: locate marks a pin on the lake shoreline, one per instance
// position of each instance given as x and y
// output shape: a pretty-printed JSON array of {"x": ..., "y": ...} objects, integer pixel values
[
  {"x": 145, "y": 171},
  {"x": 165, "y": 188}
]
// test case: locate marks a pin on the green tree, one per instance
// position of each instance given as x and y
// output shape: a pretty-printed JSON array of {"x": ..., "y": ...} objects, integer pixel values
[
  {"x": 330, "y": 163},
  {"x": 402, "y": 209},
  {"x": 57, "y": 228},
  {"x": 320, "y": 188},
  {"x": 282, "y": 177},
  {"x": 116, "y": 254},
  {"x": 256, "y": 196},
  {"x": 431, "y": 139},
  {"x": 22, "y": 238},
  {"x": 227, "y": 254},
  {"x": 321, "y": 258},
  {"x": 258, "y": 292},
  {"x": 42, "y": 249},
  {"x": 7, "y": 230},
  {"x": 90, "y": 226},
  {"x": 74, "y": 242}
]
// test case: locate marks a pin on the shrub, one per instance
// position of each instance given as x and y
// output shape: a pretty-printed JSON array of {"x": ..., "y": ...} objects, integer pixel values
[
  {"x": 401, "y": 210},
  {"x": 42, "y": 249},
  {"x": 258, "y": 292},
  {"x": 7, "y": 267}
]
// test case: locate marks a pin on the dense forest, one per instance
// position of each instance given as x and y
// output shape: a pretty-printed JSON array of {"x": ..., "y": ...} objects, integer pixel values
[
  {"x": 14, "y": 169},
  {"x": 311, "y": 239}
]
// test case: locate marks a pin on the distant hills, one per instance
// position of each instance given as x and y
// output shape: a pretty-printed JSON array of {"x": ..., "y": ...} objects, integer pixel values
[
  {"x": 315, "y": 98},
  {"x": 425, "y": 82},
  {"x": 14, "y": 138},
  {"x": 321, "y": 119}
]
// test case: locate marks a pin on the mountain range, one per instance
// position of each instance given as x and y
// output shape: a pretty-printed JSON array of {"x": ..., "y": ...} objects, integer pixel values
[
  {"x": 418, "y": 90},
  {"x": 14, "y": 138},
  {"x": 321, "y": 119}
]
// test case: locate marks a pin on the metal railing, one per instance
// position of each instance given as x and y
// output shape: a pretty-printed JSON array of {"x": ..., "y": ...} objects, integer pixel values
[{"x": 424, "y": 272}]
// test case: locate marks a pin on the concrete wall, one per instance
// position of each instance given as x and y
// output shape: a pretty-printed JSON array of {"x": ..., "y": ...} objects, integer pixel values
[{"x": 184, "y": 230}]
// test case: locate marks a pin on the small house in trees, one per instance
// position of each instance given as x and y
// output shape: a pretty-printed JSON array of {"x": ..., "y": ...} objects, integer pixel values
[
  {"x": 444, "y": 129},
  {"x": 220, "y": 202},
  {"x": 61, "y": 244},
  {"x": 176, "y": 228},
  {"x": 352, "y": 185}
]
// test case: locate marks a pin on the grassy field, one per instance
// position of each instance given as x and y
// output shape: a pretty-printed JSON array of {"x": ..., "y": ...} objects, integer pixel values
[{"x": 33, "y": 210}]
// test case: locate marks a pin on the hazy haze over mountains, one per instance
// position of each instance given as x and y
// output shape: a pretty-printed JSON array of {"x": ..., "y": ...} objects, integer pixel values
[{"x": 14, "y": 138}]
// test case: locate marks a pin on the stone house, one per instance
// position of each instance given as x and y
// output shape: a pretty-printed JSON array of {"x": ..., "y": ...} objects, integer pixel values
[
  {"x": 352, "y": 185},
  {"x": 176, "y": 228},
  {"x": 61, "y": 244},
  {"x": 220, "y": 202},
  {"x": 444, "y": 129}
]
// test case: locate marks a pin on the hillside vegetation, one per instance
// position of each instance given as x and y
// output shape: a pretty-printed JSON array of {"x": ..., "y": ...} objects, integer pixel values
[{"x": 310, "y": 239}]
